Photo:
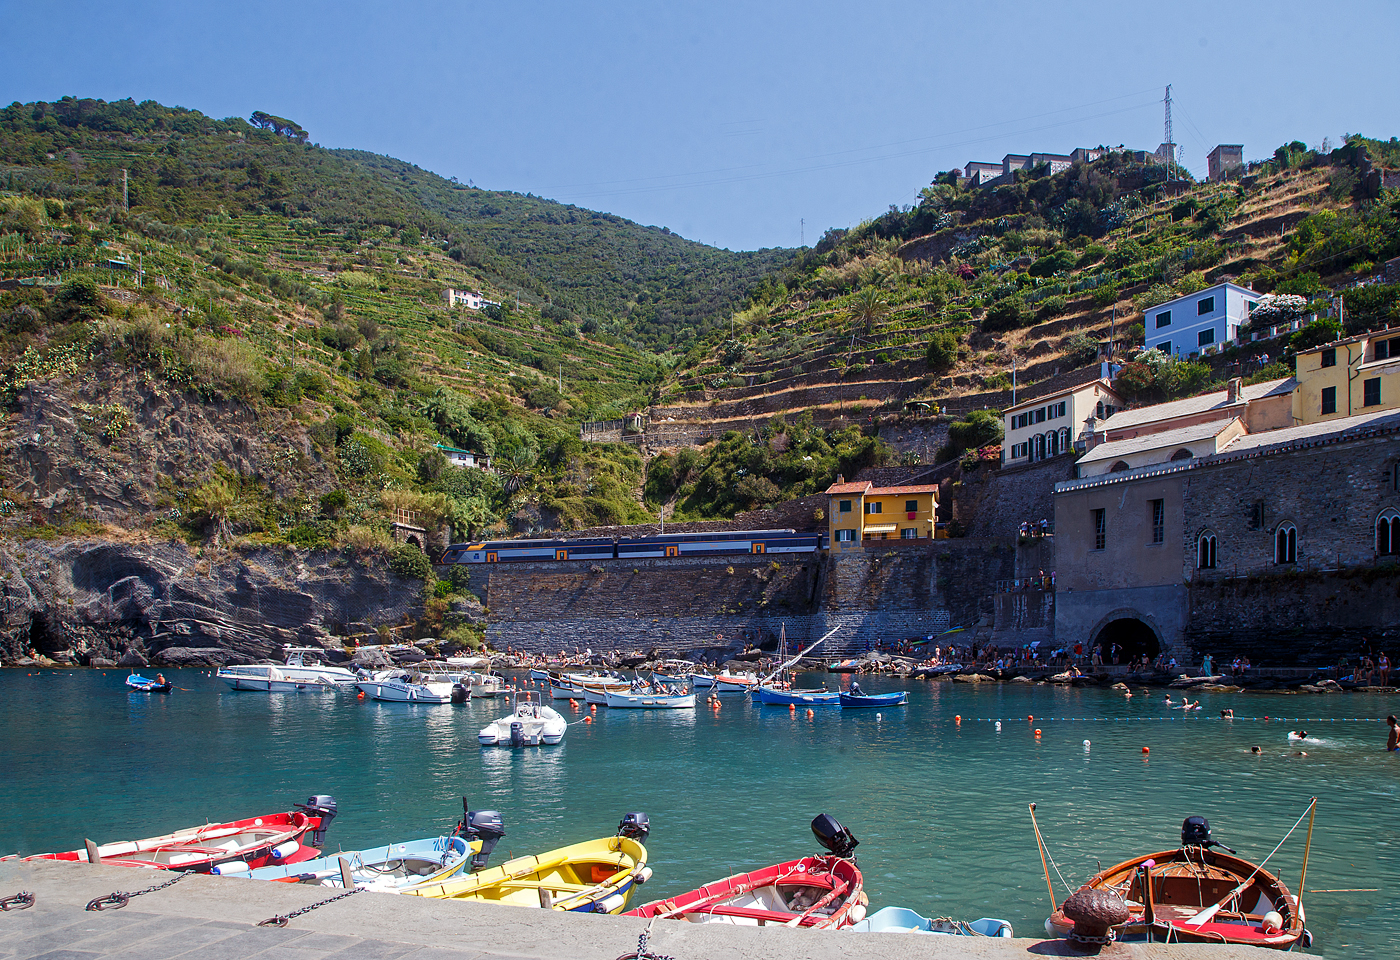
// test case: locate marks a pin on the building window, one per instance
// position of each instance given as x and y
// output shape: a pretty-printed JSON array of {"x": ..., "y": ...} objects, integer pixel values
[
  {"x": 1165, "y": 347},
  {"x": 1204, "y": 306},
  {"x": 1064, "y": 439},
  {"x": 845, "y": 536},
  {"x": 1164, "y": 319},
  {"x": 1329, "y": 357},
  {"x": 876, "y": 507},
  {"x": 911, "y": 506},
  {"x": 1052, "y": 443},
  {"x": 1385, "y": 349},
  {"x": 1099, "y": 410},
  {"x": 845, "y": 506},
  {"x": 1371, "y": 392},
  {"x": 1205, "y": 552},
  {"x": 1039, "y": 442},
  {"x": 908, "y": 533},
  {"x": 1205, "y": 337},
  {"x": 1159, "y": 520},
  {"x": 1108, "y": 409},
  {"x": 1286, "y": 544},
  {"x": 1388, "y": 533},
  {"x": 1329, "y": 399},
  {"x": 1121, "y": 466},
  {"x": 1393, "y": 475},
  {"x": 1100, "y": 529},
  {"x": 1040, "y": 415},
  {"x": 1182, "y": 454}
]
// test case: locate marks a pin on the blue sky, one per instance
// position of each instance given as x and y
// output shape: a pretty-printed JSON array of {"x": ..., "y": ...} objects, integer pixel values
[{"x": 730, "y": 123}]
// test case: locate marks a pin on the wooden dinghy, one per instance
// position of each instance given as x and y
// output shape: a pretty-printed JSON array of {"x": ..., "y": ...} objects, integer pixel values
[
  {"x": 1192, "y": 895},
  {"x": 898, "y": 699},
  {"x": 596, "y": 876},
  {"x": 140, "y": 684},
  {"x": 389, "y": 869},
  {"x": 238, "y": 844},
  {"x": 817, "y": 893}
]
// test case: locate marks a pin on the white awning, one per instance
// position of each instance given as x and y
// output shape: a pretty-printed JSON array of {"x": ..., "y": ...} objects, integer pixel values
[{"x": 881, "y": 527}]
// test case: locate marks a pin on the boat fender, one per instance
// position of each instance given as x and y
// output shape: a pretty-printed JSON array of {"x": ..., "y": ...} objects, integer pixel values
[
  {"x": 1273, "y": 922},
  {"x": 284, "y": 850},
  {"x": 643, "y": 875},
  {"x": 229, "y": 868},
  {"x": 998, "y": 725},
  {"x": 611, "y": 904},
  {"x": 857, "y": 913}
]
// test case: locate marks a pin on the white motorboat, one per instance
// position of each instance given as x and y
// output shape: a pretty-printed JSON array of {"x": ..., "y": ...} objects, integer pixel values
[
  {"x": 701, "y": 681},
  {"x": 649, "y": 700},
  {"x": 570, "y": 686},
  {"x": 300, "y": 672},
  {"x": 408, "y": 686},
  {"x": 483, "y": 685},
  {"x": 530, "y": 725},
  {"x": 727, "y": 682}
]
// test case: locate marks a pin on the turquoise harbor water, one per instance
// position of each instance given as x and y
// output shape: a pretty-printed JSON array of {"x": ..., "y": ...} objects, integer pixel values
[{"x": 940, "y": 808}]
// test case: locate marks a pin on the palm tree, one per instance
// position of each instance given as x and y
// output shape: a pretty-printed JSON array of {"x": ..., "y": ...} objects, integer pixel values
[{"x": 869, "y": 308}]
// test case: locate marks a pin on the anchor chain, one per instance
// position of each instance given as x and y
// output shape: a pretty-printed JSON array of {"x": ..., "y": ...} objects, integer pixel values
[
  {"x": 117, "y": 900},
  {"x": 642, "y": 952},
  {"x": 1110, "y": 937},
  {"x": 282, "y": 921},
  {"x": 20, "y": 901}
]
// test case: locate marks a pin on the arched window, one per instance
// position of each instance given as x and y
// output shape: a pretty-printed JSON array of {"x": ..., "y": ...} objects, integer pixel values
[
  {"x": 1120, "y": 467},
  {"x": 1098, "y": 411},
  {"x": 1064, "y": 439},
  {"x": 1183, "y": 454},
  {"x": 1205, "y": 551},
  {"x": 1039, "y": 447},
  {"x": 1286, "y": 544},
  {"x": 1388, "y": 533},
  {"x": 1052, "y": 443}
]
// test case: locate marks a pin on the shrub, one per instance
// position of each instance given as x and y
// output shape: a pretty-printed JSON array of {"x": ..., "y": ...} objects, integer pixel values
[
  {"x": 1007, "y": 314},
  {"x": 365, "y": 539},
  {"x": 1105, "y": 295},
  {"x": 1080, "y": 348},
  {"x": 1050, "y": 307},
  {"x": 410, "y": 562},
  {"x": 1053, "y": 263},
  {"x": 942, "y": 351},
  {"x": 981, "y": 428}
]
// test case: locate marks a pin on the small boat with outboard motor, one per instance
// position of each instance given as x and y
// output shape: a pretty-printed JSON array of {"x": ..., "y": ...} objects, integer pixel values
[
  {"x": 1192, "y": 894},
  {"x": 897, "y": 699},
  {"x": 425, "y": 682},
  {"x": 654, "y": 697},
  {"x": 727, "y": 682},
  {"x": 802, "y": 697},
  {"x": 532, "y": 724},
  {"x": 391, "y": 868},
  {"x": 818, "y": 893},
  {"x": 571, "y": 686},
  {"x": 237, "y": 844},
  {"x": 595, "y": 876},
  {"x": 302, "y": 671},
  {"x": 903, "y": 920},
  {"x": 139, "y": 684}
]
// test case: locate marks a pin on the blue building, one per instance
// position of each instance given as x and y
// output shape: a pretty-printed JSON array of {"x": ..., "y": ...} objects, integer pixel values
[{"x": 1199, "y": 322}]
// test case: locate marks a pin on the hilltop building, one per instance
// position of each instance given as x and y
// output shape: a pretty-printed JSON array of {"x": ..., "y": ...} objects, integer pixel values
[
  {"x": 467, "y": 298},
  {"x": 1189, "y": 325},
  {"x": 1360, "y": 374},
  {"x": 1224, "y": 158},
  {"x": 859, "y": 512}
]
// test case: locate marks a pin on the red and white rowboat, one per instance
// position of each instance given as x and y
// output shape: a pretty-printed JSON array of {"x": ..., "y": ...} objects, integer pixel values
[
  {"x": 817, "y": 893},
  {"x": 216, "y": 847}
]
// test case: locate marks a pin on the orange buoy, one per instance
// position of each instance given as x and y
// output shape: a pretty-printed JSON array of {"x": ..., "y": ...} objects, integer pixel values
[
  {"x": 1030, "y": 719},
  {"x": 792, "y": 708},
  {"x": 810, "y": 712},
  {"x": 1037, "y": 733},
  {"x": 587, "y": 719},
  {"x": 360, "y": 695},
  {"x": 958, "y": 719},
  {"x": 1146, "y": 750}
]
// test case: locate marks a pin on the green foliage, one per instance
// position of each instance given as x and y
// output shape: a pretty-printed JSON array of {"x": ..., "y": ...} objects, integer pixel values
[
  {"x": 1007, "y": 314},
  {"x": 1315, "y": 334},
  {"x": 1157, "y": 378},
  {"x": 1080, "y": 348},
  {"x": 980, "y": 428},
  {"x": 1053, "y": 263},
  {"x": 942, "y": 352},
  {"x": 1372, "y": 307},
  {"x": 410, "y": 562},
  {"x": 1049, "y": 308}
]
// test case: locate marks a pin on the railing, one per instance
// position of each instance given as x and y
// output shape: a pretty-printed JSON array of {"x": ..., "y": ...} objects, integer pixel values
[{"x": 1027, "y": 584}]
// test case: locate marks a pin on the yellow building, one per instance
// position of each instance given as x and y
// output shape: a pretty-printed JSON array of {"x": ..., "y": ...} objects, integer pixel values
[
  {"x": 1347, "y": 377},
  {"x": 862, "y": 511}
]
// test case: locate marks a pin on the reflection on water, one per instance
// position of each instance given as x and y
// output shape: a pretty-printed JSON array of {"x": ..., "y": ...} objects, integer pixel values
[{"x": 939, "y": 807}]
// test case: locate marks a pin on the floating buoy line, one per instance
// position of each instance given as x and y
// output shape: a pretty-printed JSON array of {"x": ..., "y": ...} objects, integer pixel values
[{"x": 957, "y": 721}]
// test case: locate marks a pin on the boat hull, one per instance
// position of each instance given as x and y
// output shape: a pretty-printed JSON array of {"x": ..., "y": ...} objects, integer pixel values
[
  {"x": 1179, "y": 884},
  {"x": 596, "y": 876},
  {"x": 651, "y": 701},
  {"x": 539, "y": 725},
  {"x": 901, "y": 920},
  {"x": 875, "y": 700},
  {"x": 401, "y": 691},
  {"x": 816, "y": 893},
  {"x": 391, "y": 869},
  {"x": 816, "y": 698}
]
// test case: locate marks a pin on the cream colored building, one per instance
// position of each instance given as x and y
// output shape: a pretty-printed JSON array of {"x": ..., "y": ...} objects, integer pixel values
[
  {"x": 858, "y": 512},
  {"x": 1348, "y": 377},
  {"x": 1051, "y": 425}
]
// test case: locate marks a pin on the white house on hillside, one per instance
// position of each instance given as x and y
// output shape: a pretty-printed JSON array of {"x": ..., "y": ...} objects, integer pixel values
[
  {"x": 1050, "y": 425},
  {"x": 1198, "y": 321}
]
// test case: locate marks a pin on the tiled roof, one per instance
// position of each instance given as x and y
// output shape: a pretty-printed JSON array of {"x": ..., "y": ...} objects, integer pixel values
[
  {"x": 861, "y": 487},
  {"x": 1217, "y": 399},
  {"x": 1155, "y": 441},
  {"x": 1262, "y": 442},
  {"x": 894, "y": 491},
  {"x": 1056, "y": 394}
]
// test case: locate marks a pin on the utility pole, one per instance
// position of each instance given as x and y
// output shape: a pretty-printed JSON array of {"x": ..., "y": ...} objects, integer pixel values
[
  {"x": 126, "y": 206},
  {"x": 561, "y": 376},
  {"x": 1171, "y": 147},
  {"x": 803, "y": 222},
  {"x": 1013, "y": 378}
]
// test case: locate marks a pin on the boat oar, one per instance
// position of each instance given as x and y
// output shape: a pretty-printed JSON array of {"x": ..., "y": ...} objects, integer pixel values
[
  {"x": 1307, "y": 846},
  {"x": 1212, "y": 910}
]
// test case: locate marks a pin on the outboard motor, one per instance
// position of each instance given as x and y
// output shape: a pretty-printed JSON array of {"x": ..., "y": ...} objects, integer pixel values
[
  {"x": 636, "y": 826},
  {"x": 1195, "y": 832},
  {"x": 834, "y": 837},
  {"x": 488, "y": 827},
  {"x": 324, "y": 807},
  {"x": 460, "y": 694},
  {"x": 517, "y": 733}
]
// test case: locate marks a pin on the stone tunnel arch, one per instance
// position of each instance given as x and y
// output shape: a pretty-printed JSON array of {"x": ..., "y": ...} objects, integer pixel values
[{"x": 1131, "y": 630}]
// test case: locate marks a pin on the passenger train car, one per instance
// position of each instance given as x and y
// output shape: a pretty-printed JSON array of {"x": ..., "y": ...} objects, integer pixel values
[{"x": 623, "y": 548}]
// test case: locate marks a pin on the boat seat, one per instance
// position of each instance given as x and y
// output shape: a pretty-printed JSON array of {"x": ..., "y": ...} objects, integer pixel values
[
  {"x": 757, "y": 913},
  {"x": 559, "y": 885}
]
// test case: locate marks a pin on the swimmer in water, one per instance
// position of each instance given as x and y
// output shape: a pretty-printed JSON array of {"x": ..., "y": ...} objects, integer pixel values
[
  {"x": 1255, "y": 750},
  {"x": 1227, "y": 714},
  {"x": 1298, "y": 735},
  {"x": 1167, "y": 699}
]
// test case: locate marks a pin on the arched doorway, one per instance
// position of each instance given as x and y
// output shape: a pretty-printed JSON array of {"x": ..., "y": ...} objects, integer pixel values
[{"x": 1132, "y": 635}]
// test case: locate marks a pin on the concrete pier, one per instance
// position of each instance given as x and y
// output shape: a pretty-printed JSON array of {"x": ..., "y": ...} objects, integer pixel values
[{"x": 215, "y": 918}]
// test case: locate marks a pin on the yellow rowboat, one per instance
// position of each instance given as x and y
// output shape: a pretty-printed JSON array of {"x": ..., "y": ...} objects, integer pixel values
[{"x": 595, "y": 876}]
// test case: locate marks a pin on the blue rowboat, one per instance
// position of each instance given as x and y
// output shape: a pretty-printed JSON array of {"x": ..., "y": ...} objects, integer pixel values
[
  {"x": 391, "y": 869},
  {"x": 901, "y": 920},
  {"x": 801, "y": 698},
  {"x": 897, "y": 699},
  {"x": 141, "y": 684}
]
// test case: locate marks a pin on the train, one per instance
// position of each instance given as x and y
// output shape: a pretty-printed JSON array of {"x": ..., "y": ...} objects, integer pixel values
[{"x": 630, "y": 548}]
